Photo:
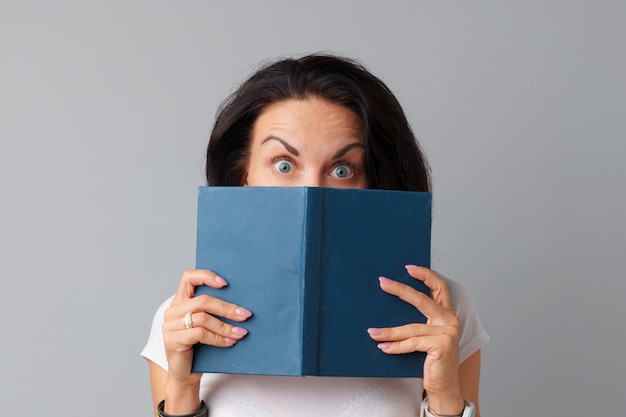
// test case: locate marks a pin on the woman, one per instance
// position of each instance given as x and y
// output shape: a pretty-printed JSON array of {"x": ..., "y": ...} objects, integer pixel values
[{"x": 317, "y": 121}]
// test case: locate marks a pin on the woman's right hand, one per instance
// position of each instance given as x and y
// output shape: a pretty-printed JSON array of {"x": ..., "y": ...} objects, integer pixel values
[{"x": 207, "y": 328}]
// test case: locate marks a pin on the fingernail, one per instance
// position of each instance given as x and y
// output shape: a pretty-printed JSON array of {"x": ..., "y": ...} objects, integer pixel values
[
  {"x": 229, "y": 340},
  {"x": 220, "y": 280},
  {"x": 385, "y": 281},
  {"x": 375, "y": 332},
  {"x": 242, "y": 312},
  {"x": 384, "y": 346},
  {"x": 411, "y": 267},
  {"x": 240, "y": 331}
]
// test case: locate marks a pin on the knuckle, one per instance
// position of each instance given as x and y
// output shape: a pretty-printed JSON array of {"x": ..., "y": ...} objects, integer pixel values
[
  {"x": 205, "y": 301},
  {"x": 199, "y": 333},
  {"x": 390, "y": 333},
  {"x": 170, "y": 313},
  {"x": 409, "y": 294},
  {"x": 168, "y": 339},
  {"x": 419, "y": 299},
  {"x": 204, "y": 298},
  {"x": 224, "y": 328},
  {"x": 422, "y": 298},
  {"x": 414, "y": 344},
  {"x": 210, "y": 338},
  {"x": 187, "y": 275},
  {"x": 408, "y": 345},
  {"x": 400, "y": 287},
  {"x": 415, "y": 328},
  {"x": 229, "y": 309},
  {"x": 453, "y": 321},
  {"x": 449, "y": 342},
  {"x": 202, "y": 335}
]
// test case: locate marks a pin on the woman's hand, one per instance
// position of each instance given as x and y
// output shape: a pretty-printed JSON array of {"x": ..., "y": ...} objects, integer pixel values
[
  {"x": 182, "y": 386},
  {"x": 439, "y": 337}
]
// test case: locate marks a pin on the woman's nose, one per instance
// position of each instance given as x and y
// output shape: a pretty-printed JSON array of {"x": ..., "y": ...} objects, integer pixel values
[{"x": 311, "y": 179}]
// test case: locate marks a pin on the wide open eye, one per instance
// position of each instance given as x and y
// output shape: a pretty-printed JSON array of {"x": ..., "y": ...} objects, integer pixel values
[
  {"x": 284, "y": 167},
  {"x": 341, "y": 171}
]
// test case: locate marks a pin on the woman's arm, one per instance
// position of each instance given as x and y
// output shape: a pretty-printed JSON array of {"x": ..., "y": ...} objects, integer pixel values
[
  {"x": 190, "y": 320},
  {"x": 469, "y": 378},
  {"x": 158, "y": 376}
]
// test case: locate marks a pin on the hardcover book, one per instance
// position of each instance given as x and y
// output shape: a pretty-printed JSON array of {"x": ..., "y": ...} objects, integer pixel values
[{"x": 306, "y": 262}]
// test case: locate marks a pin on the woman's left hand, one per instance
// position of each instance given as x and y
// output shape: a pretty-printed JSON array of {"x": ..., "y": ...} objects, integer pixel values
[{"x": 439, "y": 337}]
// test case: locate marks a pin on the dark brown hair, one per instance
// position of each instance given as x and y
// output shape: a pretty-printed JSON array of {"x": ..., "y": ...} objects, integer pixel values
[{"x": 393, "y": 158}]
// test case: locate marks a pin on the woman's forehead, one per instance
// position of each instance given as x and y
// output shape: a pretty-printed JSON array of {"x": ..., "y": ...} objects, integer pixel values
[{"x": 307, "y": 117}]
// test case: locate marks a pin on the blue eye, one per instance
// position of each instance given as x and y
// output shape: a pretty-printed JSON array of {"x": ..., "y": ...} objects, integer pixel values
[
  {"x": 283, "y": 167},
  {"x": 341, "y": 171}
]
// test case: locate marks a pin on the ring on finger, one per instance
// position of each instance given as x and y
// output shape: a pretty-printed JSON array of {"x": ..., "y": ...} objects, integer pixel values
[{"x": 187, "y": 321}]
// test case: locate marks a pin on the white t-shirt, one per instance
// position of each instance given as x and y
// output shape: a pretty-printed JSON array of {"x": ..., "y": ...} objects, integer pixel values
[{"x": 277, "y": 396}]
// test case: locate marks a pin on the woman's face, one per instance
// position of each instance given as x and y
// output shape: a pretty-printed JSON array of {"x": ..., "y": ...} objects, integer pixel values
[{"x": 310, "y": 142}]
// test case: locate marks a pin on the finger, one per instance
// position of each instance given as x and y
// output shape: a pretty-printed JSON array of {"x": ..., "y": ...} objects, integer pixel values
[
  {"x": 436, "y": 346},
  {"x": 207, "y": 304},
  {"x": 194, "y": 278},
  {"x": 437, "y": 285},
  {"x": 392, "y": 334},
  {"x": 208, "y": 322},
  {"x": 183, "y": 340},
  {"x": 416, "y": 298}
]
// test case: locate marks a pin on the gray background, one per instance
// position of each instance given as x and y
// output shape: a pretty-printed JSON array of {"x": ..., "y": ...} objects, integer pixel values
[{"x": 105, "y": 109}]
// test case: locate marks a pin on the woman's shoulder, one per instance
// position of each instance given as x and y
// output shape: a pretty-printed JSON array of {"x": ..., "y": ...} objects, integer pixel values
[{"x": 459, "y": 295}]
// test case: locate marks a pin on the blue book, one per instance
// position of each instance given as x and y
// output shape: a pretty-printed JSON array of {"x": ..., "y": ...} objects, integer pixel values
[{"x": 306, "y": 262}]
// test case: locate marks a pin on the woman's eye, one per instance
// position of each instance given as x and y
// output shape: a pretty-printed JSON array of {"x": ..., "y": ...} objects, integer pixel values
[
  {"x": 341, "y": 171},
  {"x": 283, "y": 167}
]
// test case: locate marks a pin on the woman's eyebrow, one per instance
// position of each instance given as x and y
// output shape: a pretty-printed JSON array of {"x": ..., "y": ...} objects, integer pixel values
[
  {"x": 346, "y": 148},
  {"x": 287, "y": 146}
]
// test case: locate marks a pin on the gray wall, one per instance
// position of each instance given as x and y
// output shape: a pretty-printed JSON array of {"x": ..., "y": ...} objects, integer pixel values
[{"x": 105, "y": 109}]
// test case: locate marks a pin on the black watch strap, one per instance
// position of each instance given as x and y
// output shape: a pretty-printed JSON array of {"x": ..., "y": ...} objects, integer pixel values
[{"x": 202, "y": 412}]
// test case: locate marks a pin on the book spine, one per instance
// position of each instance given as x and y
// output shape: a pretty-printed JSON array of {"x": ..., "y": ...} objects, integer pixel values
[{"x": 312, "y": 279}]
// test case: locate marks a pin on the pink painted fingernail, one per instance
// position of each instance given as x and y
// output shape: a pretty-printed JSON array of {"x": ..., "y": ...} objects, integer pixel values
[
  {"x": 242, "y": 312},
  {"x": 411, "y": 267},
  {"x": 374, "y": 331},
  {"x": 240, "y": 331},
  {"x": 384, "y": 346},
  {"x": 385, "y": 281},
  {"x": 220, "y": 280},
  {"x": 229, "y": 340}
]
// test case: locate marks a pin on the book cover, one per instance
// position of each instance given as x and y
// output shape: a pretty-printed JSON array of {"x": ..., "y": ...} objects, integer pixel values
[{"x": 306, "y": 262}]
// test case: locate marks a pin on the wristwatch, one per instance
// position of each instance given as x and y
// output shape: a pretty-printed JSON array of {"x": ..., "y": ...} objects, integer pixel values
[{"x": 468, "y": 411}]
